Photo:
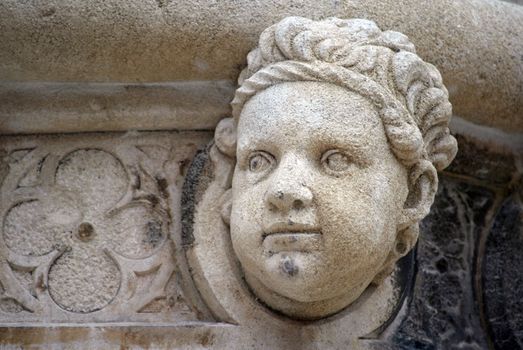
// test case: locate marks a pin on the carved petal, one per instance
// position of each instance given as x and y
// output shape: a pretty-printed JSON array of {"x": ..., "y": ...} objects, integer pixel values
[
  {"x": 84, "y": 279},
  {"x": 36, "y": 227},
  {"x": 97, "y": 177},
  {"x": 135, "y": 231}
]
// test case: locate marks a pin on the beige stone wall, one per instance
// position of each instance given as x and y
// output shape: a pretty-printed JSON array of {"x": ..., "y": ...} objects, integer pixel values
[
  {"x": 476, "y": 44},
  {"x": 107, "y": 111}
]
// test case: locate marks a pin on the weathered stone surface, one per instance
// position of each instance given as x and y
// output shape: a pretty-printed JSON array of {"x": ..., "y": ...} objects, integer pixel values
[
  {"x": 502, "y": 279},
  {"x": 338, "y": 128},
  {"x": 87, "y": 228},
  {"x": 485, "y": 162},
  {"x": 100, "y": 248},
  {"x": 477, "y": 44},
  {"x": 59, "y": 107},
  {"x": 442, "y": 311},
  {"x": 220, "y": 282}
]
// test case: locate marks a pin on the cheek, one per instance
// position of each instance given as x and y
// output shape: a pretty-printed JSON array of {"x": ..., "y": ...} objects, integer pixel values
[
  {"x": 358, "y": 217},
  {"x": 246, "y": 217}
]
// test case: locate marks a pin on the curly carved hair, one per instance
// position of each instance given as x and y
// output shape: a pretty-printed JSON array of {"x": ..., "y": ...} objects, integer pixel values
[{"x": 379, "y": 65}]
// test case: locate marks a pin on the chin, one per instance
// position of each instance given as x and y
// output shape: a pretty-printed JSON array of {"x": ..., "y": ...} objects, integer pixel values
[{"x": 297, "y": 276}]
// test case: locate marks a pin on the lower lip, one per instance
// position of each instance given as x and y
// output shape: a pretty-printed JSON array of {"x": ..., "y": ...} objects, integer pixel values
[{"x": 292, "y": 242}]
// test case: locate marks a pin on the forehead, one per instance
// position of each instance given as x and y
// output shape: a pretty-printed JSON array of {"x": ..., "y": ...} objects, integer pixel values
[{"x": 304, "y": 109}]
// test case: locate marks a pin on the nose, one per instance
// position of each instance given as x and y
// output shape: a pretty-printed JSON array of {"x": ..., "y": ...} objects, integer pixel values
[
  {"x": 287, "y": 190},
  {"x": 285, "y": 197}
]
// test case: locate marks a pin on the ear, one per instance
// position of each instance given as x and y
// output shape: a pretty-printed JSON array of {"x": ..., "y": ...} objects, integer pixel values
[
  {"x": 405, "y": 241},
  {"x": 423, "y": 183},
  {"x": 226, "y": 206},
  {"x": 225, "y": 136}
]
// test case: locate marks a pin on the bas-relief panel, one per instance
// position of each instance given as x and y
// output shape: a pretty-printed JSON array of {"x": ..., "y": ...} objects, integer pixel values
[
  {"x": 87, "y": 226},
  {"x": 314, "y": 191},
  {"x": 440, "y": 301},
  {"x": 118, "y": 227}
]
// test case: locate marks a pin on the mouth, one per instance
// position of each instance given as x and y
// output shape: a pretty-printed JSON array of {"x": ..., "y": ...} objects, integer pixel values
[{"x": 295, "y": 238}]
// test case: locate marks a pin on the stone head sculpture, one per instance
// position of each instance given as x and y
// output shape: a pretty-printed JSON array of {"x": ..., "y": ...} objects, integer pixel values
[{"x": 338, "y": 130}]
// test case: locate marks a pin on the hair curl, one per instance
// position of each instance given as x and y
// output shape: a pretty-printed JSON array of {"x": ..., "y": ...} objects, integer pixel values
[{"x": 380, "y": 65}]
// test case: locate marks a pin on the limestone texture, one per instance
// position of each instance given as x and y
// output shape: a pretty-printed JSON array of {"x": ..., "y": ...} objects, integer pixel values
[
  {"x": 476, "y": 44},
  {"x": 86, "y": 228},
  {"x": 326, "y": 208},
  {"x": 339, "y": 127},
  {"x": 59, "y": 107}
]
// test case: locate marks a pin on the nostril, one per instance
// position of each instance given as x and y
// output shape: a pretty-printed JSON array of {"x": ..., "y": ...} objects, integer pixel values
[{"x": 297, "y": 204}]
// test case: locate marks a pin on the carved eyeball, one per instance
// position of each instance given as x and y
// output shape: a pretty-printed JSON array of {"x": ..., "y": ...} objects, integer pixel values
[
  {"x": 260, "y": 162},
  {"x": 335, "y": 162}
]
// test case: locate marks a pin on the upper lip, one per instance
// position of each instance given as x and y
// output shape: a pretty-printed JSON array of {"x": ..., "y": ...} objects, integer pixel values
[{"x": 290, "y": 227}]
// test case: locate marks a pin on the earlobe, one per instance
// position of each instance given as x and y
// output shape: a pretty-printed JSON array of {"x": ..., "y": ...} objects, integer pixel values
[
  {"x": 405, "y": 241},
  {"x": 423, "y": 183}
]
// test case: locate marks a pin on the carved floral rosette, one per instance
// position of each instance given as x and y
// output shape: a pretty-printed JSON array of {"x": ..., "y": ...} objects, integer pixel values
[{"x": 87, "y": 228}]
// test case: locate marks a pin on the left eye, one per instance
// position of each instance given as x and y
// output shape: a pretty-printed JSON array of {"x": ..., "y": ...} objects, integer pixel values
[
  {"x": 260, "y": 161},
  {"x": 335, "y": 161}
]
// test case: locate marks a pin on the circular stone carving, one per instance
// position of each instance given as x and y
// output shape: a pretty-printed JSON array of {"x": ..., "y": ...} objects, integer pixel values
[
  {"x": 85, "y": 228},
  {"x": 85, "y": 232},
  {"x": 27, "y": 232},
  {"x": 83, "y": 280},
  {"x": 35, "y": 227},
  {"x": 135, "y": 232},
  {"x": 95, "y": 176}
]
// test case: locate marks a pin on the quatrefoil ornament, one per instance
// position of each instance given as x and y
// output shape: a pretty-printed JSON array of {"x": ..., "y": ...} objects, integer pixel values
[{"x": 85, "y": 224}]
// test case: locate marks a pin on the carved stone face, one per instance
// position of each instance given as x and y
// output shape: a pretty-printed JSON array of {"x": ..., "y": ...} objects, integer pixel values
[{"x": 316, "y": 196}]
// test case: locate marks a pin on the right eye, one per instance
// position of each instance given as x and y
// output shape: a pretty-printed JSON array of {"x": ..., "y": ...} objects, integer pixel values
[
  {"x": 336, "y": 162},
  {"x": 260, "y": 162}
]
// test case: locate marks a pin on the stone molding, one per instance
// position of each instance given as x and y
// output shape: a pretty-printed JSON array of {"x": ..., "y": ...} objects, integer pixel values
[
  {"x": 39, "y": 108},
  {"x": 476, "y": 44}
]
